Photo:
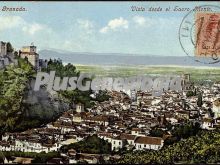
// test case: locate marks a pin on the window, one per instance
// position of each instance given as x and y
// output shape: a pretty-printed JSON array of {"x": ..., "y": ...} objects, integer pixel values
[
  {"x": 145, "y": 145},
  {"x": 114, "y": 142},
  {"x": 119, "y": 143}
]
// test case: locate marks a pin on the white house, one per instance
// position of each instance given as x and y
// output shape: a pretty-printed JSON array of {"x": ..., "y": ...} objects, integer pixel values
[
  {"x": 79, "y": 108},
  {"x": 148, "y": 142},
  {"x": 135, "y": 131},
  {"x": 34, "y": 146},
  {"x": 216, "y": 108},
  {"x": 77, "y": 118},
  {"x": 117, "y": 143},
  {"x": 207, "y": 123}
]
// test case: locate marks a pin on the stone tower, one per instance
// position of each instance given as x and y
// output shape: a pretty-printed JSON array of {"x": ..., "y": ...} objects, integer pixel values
[
  {"x": 31, "y": 53},
  {"x": 3, "y": 49}
]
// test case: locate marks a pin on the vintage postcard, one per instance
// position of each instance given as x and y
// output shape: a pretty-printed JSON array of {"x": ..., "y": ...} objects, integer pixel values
[{"x": 109, "y": 82}]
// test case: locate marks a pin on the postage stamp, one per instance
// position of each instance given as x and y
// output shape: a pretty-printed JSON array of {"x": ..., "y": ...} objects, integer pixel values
[
  {"x": 199, "y": 34},
  {"x": 207, "y": 35}
]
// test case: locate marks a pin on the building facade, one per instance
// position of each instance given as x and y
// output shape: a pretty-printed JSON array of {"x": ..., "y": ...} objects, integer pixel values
[
  {"x": 3, "y": 49},
  {"x": 216, "y": 108},
  {"x": 30, "y": 52}
]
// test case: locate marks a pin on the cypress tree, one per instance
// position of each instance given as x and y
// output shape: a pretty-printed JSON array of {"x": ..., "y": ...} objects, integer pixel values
[{"x": 199, "y": 101}]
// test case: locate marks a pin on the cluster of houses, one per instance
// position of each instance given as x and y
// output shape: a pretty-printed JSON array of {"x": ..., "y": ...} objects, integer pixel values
[{"x": 122, "y": 121}]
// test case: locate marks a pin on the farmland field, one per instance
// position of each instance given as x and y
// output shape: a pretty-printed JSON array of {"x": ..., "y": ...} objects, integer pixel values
[{"x": 196, "y": 73}]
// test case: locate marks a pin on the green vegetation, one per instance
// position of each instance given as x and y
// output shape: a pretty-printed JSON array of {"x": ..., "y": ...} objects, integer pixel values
[
  {"x": 199, "y": 101},
  {"x": 183, "y": 131},
  {"x": 10, "y": 49},
  {"x": 26, "y": 123},
  {"x": 102, "y": 96},
  {"x": 68, "y": 70},
  {"x": 197, "y": 74},
  {"x": 92, "y": 145},
  {"x": 13, "y": 81},
  {"x": 178, "y": 132},
  {"x": 157, "y": 132},
  {"x": 190, "y": 93},
  {"x": 73, "y": 96},
  {"x": 202, "y": 148}
]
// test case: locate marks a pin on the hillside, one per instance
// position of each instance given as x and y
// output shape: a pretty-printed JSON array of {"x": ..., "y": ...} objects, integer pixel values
[
  {"x": 202, "y": 148},
  {"x": 120, "y": 59}
]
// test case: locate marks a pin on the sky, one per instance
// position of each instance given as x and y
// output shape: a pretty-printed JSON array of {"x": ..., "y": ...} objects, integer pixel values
[{"x": 98, "y": 27}]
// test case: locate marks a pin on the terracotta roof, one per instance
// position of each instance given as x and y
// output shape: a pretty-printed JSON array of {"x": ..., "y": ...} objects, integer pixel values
[
  {"x": 136, "y": 129},
  {"x": 117, "y": 138},
  {"x": 66, "y": 115},
  {"x": 106, "y": 134},
  {"x": 149, "y": 140},
  {"x": 128, "y": 136}
]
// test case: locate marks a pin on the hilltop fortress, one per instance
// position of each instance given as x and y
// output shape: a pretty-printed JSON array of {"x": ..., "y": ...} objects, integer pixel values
[{"x": 29, "y": 52}]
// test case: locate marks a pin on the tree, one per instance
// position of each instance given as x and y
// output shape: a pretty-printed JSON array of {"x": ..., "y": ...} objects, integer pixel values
[
  {"x": 195, "y": 92},
  {"x": 157, "y": 132},
  {"x": 10, "y": 49},
  {"x": 199, "y": 101},
  {"x": 189, "y": 94},
  {"x": 92, "y": 144},
  {"x": 16, "y": 54},
  {"x": 76, "y": 95},
  {"x": 102, "y": 96},
  {"x": 14, "y": 80}
]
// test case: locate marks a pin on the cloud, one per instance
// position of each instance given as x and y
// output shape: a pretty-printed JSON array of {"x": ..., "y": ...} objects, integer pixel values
[
  {"x": 141, "y": 21},
  {"x": 9, "y": 22},
  {"x": 158, "y": 23},
  {"x": 85, "y": 25},
  {"x": 33, "y": 28},
  {"x": 115, "y": 24}
]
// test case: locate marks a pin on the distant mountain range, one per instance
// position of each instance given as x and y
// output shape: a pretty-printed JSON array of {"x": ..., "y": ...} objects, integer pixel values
[{"x": 119, "y": 59}]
